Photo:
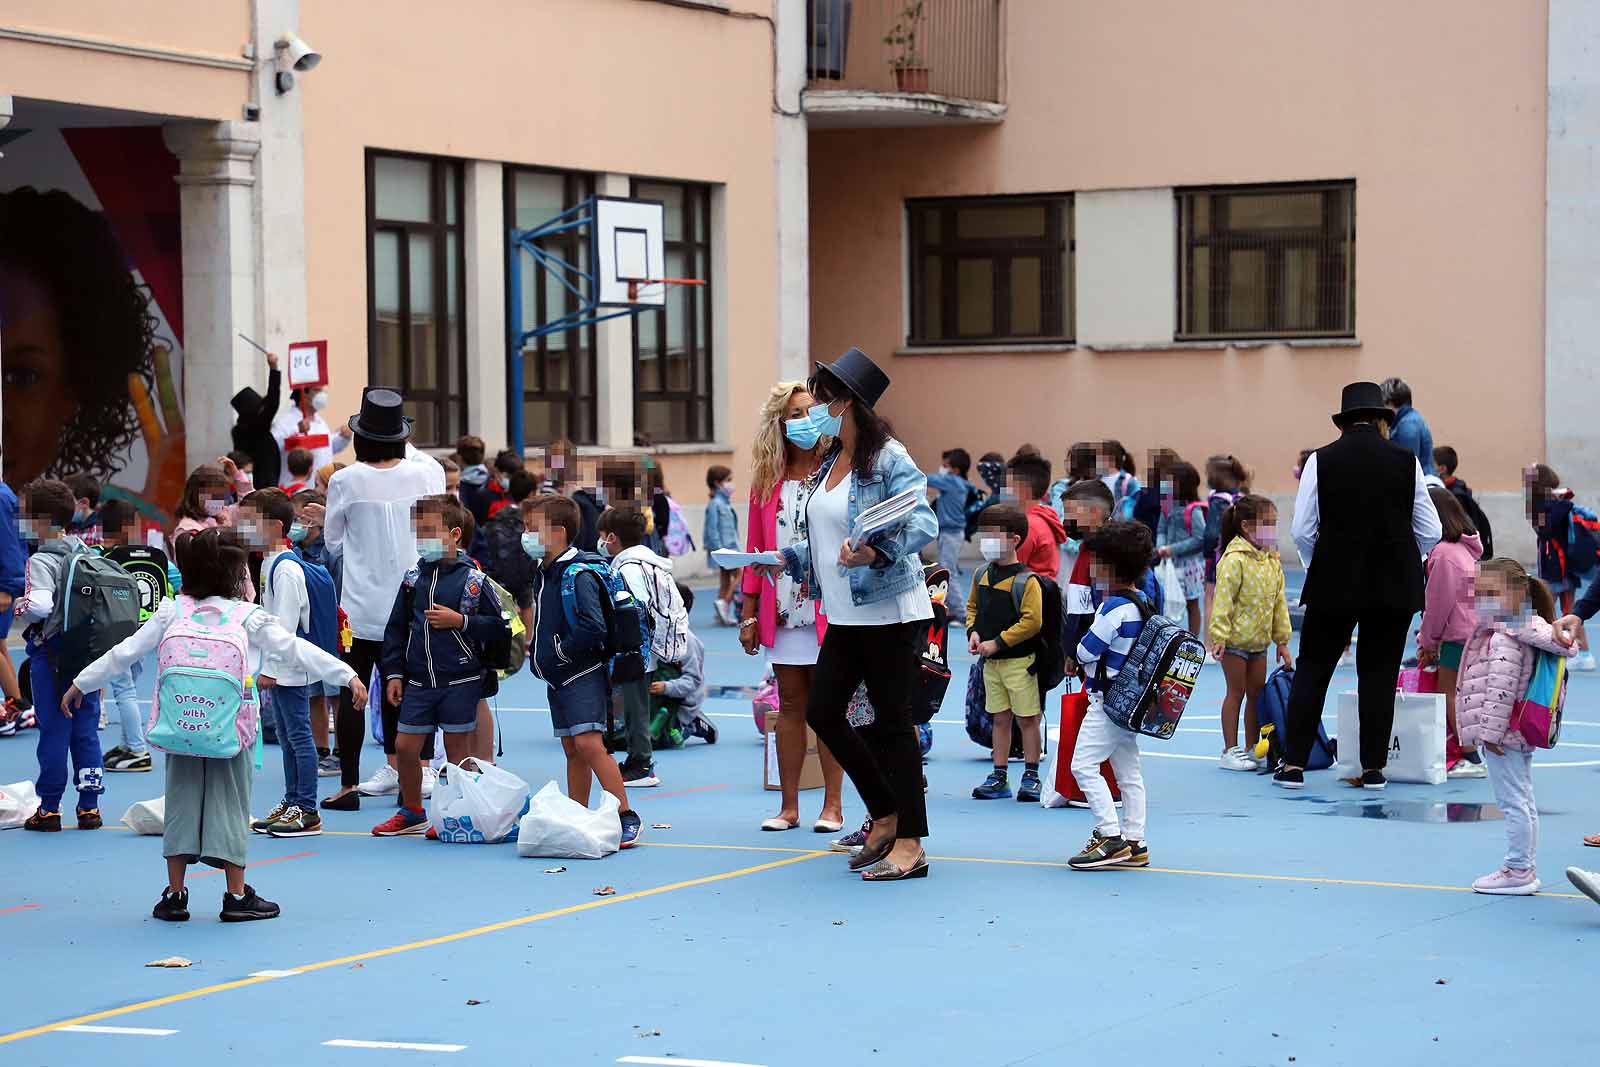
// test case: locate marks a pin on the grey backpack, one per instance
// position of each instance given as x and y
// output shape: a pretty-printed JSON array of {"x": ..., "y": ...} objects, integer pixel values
[{"x": 97, "y": 607}]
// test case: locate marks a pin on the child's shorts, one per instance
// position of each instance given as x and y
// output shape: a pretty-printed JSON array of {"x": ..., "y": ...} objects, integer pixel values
[
  {"x": 580, "y": 706},
  {"x": 1450, "y": 654},
  {"x": 451, "y": 708},
  {"x": 1247, "y": 656},
  {"x": 1007, "y": 686}
]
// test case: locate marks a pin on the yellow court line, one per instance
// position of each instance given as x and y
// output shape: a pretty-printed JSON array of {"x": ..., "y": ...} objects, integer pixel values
[{"x": 444, "y": 939}]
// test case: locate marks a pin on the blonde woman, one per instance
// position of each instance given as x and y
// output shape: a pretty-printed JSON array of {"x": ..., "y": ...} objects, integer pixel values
[{"x": 778, "y": 616}]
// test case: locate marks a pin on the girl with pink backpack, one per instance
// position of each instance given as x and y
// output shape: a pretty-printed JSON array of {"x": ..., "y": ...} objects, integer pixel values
[{"x": 205, "y": 715}]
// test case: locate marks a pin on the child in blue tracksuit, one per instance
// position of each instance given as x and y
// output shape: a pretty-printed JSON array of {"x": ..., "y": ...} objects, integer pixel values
[
  {"x": 13, "y": 582},
  {"x": 722, "y": 531},
  {"x": 47, "y": 512}
]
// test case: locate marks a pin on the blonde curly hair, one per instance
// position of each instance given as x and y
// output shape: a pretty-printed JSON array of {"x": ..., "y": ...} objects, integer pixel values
[{"x": 767, "y": 452}]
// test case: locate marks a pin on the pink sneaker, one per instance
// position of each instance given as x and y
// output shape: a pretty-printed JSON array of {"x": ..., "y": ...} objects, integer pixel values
[{"x": 1508, "y": 883}]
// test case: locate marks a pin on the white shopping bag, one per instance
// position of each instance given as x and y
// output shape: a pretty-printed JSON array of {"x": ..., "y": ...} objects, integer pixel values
[
  {"x": 478, "y": 805},
  {"x": 557, "y": 827},
  {"x": 146, "y": 816},
  {"x": 1173, "y": 606},
  {"x": 1416, "y": 745},
  {"x": 18, "y": 802}
]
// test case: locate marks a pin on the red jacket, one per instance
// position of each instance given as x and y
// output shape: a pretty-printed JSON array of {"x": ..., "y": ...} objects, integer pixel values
[{"x": 1040, "y": 551}]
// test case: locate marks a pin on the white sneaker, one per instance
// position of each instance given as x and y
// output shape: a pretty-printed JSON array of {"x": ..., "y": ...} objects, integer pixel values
[
  {"x": 1235, "y": 759},
  {"x": 385, "y": 782},
  {"x": 429, "y": 776},
  {"x": 105, "y": 723},
  {"x": 1464, "y": 768},
  {"x": 1586, "y": 881},
  {"x": 1583, "y": 661}
]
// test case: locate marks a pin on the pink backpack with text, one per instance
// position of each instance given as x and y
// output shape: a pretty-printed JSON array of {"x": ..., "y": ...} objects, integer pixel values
[{"x": 205, "y": 701}]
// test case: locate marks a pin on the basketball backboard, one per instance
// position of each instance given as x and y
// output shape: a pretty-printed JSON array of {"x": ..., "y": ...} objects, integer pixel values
[{"x": 630, "y": 252}]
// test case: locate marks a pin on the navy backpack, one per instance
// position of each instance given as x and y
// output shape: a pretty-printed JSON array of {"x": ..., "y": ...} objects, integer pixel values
[{"x": 1272, "y": 710}]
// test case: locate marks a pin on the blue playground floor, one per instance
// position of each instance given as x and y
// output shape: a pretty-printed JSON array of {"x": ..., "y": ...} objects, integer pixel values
[{"x": 1330, "y": 927}]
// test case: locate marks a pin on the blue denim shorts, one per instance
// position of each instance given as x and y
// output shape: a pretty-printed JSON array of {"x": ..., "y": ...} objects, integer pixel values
[
  {"x": 451, "y": 708},
  {"x": 580, "y": 706}
]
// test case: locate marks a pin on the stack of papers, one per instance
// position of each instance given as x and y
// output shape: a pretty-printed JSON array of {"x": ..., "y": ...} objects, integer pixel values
[
  {"x": 882, "y": 521},
  {"x": 732, "y": 559}
]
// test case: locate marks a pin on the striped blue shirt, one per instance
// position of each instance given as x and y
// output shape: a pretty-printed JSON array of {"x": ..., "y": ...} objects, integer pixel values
[{"x": 1109, "y": 640}]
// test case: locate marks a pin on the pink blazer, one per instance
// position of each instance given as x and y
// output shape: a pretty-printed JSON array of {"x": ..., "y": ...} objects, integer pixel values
[{"x": 761, "y": 535}]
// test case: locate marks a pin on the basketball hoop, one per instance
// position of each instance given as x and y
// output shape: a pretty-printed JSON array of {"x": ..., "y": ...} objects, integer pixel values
[{"x": 635, "y": 283}]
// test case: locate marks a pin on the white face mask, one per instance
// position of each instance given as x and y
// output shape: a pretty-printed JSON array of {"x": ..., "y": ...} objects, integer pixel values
[
  {"x": 992, "y": 548},
  {"x": 319, "y": 401}
]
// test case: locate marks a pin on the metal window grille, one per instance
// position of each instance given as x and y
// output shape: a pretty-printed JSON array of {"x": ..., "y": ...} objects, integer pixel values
[
  {"x": 1267, "y": 261},
  {"x": 991, "y": 270},
  {"x": 672, "y": 350}
]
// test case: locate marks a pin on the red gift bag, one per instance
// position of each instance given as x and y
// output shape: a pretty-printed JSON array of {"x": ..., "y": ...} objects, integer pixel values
[{"x": 1074, "y": 706}]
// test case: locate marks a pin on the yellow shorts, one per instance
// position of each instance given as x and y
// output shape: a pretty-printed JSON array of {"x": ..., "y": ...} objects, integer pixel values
[{"x": 1007, "y": 686}]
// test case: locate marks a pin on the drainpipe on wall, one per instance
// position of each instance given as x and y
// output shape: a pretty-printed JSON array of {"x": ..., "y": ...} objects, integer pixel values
[
  {"x": 791, "y": 160},
  {"x": 8, "y": 108}
]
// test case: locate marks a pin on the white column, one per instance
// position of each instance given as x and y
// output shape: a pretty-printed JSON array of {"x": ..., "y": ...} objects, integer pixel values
[
  {"x": 613, "y": 378},
  {"x": 279, "y": 202},
  {"x": 216, "y": 162},
  {"x": 1572, "y": 242},
  {"x": 484, "y": 234},
  {"x": 792, "y": 194}
]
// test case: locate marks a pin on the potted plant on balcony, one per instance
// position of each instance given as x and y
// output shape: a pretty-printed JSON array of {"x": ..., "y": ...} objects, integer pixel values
[{"x": 910, "y": 69}]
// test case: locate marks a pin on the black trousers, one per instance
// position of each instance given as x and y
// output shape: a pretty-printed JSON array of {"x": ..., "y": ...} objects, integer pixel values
[
  {"x": 1322, "y": 641},
  {"x": 350, "y": 726},
  {"x": 883, "y": 760}
]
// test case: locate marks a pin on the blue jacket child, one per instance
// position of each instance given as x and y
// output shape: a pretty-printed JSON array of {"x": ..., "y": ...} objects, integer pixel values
[
  {"x": 562, "y": 652},
  {"x": 436, "y": 658}
]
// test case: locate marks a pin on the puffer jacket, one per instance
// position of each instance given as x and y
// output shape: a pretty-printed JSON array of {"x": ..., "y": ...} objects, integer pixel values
[
  {"x": 1250, "y": 610},
  {"x": 1448, "y": 614},
  {"x": 1495, "y": 670}
]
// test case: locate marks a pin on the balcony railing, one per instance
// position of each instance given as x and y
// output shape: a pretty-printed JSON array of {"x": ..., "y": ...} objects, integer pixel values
[{"x": 948, "y": 48}]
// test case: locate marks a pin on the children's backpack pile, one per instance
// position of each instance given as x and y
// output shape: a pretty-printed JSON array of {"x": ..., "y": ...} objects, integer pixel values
[
  {"x": 1148, "y": 695},
  {"x": 678, "y": 541},
  {"x": 1272, "y": 713},
  {"x": 205, "y": 701},
  {"x": 627, "y": 628},
  {"x": 96, "y": 608}
]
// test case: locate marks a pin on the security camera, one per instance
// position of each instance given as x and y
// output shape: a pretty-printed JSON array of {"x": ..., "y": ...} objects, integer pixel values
[{"x": 295, "y": 55}]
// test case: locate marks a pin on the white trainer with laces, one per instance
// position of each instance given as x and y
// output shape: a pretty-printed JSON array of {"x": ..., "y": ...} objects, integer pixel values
[
  {"x": 1587, "y": 882},
  {"x": 1235, "y": 759},
  {"x": 1463, "y": 768},
  {"x": 384, "y": 782}
]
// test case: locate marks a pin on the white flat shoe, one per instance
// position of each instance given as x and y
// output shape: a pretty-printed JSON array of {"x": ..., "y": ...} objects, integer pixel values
[
  {"x": 827, "y": 826},
  {"x": 775, "y": 825}
]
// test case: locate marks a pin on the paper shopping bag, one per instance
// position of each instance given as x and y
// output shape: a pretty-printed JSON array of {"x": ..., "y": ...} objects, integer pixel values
[{"x": 1416, "y": 744}]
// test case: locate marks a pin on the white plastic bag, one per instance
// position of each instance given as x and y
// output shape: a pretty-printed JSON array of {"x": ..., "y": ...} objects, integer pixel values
[
  {"x": 1173, "y": 606},
  {"x": 479, "y": 805},
  {"x": 18, "y": 802},
  {"x": 1416, "y": 745},
  {"x": 557, "y": 827},
  {"x": 146, "y": 816}
]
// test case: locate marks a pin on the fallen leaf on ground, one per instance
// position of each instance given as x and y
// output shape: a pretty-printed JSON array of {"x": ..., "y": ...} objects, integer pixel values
[
  {"x": 555, "y": 870},
  {"x": 1441, "y": 981},
  {"x": 171, "y": 961},
  {"x": 661, "y": 826},
  {"x": 838, "y": 922},
  {"x": 473, "y": 1002},
  {"x": 605, "y": 891}
]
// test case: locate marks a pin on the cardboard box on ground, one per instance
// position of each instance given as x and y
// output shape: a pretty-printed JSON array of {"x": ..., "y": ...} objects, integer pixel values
[{"x": 810, "y": 771}]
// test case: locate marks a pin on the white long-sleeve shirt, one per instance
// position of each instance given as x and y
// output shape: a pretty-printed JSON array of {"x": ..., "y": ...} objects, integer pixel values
[
  {"x": 1308, "y": 517},
  {"x": 369, "y": 512},
  {"x": 265, "y": 636},
  {"x": 44, "y": 576},
  {"x": 283, "y": 593}
]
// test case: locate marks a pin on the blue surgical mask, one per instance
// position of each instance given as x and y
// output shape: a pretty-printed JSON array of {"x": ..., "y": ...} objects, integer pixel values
[
  {"x": 431, "y": 549},
  {"x": 826, "y": 424},
  {"x": 297, "y": 532},
  {"x": 802, "y": 432},
  {"x": 25, "y": 530},
  {"x": 604, "y": 547},
  {"x": 532, "y": 546}
]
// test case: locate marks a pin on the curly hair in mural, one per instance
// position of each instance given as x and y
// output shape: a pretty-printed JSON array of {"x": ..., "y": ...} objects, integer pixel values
[{"x": 78, "y": 334}]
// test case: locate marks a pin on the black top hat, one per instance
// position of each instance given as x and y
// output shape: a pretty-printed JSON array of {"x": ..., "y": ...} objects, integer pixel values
[
  {"x": 856, "y": 371},
  {"x": 246, "y": 402},
  {"x": 1362, "y": 400},
  {"x": 381, "y": 418}
]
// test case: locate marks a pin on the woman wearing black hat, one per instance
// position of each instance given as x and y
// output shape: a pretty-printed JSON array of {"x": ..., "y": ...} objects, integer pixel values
[
  {"x": 1363, "y": 521},
  {"x": 875, "y": 597}
]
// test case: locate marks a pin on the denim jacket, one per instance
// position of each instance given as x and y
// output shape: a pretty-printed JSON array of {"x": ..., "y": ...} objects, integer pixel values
[
  {"x": 722, "y": 525},
  {"x": 898, "y": 566}
]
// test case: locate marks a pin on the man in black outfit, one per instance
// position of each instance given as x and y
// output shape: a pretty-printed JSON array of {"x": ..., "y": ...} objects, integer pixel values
[
  {"x": 1362, "y": 522},
  {"x": 252, "y": 433}
]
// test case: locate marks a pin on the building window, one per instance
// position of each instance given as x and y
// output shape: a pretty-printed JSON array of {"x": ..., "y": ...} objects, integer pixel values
[
  {"x": 991, "y": 270},
  {"x": 1267, "y": 261},
  {"x": 416, "y": 335},
  {"x": 558, "y": 370},
  {"x": 672, "y": 346}
]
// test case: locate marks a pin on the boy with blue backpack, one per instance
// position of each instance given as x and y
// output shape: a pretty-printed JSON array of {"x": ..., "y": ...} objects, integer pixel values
[
  {"x": 582, "y": 618},
  {"x": 301, "y": 595},
  {"x": 445, "y": 616}
]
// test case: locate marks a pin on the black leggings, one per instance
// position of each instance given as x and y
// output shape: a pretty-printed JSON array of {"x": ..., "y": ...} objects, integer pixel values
[
  {"x": 351, "y": 724},
  {"x": 883, "y": 760}
]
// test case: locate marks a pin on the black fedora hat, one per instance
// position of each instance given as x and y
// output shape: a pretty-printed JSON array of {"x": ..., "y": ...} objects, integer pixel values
[
  {"x": 857, "y": 373},
  {"x": 1362, "y": 400},
  {"x": 381, "y": 417}
]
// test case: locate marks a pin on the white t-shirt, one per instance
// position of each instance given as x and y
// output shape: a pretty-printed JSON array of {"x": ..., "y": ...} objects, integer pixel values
[
  {"x": 827, "y": 525},
  {"x": 286, "y": 424},
  {"x": 369, "y": 525}
]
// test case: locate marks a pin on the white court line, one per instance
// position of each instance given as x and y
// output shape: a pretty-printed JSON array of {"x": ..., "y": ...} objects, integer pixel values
[
  {"x": 411, "y": 1046},
  {"x": 137, "y": 1031},
  {"x": 673, "y": 1061},
  {"x": 1573, "y": 763},
  {"x": 273, "y": 974}
]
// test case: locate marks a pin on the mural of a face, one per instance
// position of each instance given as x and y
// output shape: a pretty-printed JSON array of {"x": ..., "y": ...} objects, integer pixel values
[{"x": 39, "y": 395}]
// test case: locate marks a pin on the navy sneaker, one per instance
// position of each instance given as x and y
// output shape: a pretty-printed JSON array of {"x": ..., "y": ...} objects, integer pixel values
[
  {"x": 632, "y": 828},
  {"x": 853, "y": 840},
  {"x": 994, "y": 787},
  {"x": 1028, "y": 791}
]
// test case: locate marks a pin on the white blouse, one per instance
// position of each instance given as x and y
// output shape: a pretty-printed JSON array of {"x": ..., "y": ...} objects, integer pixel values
[{"x": 828, "y": 515}]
